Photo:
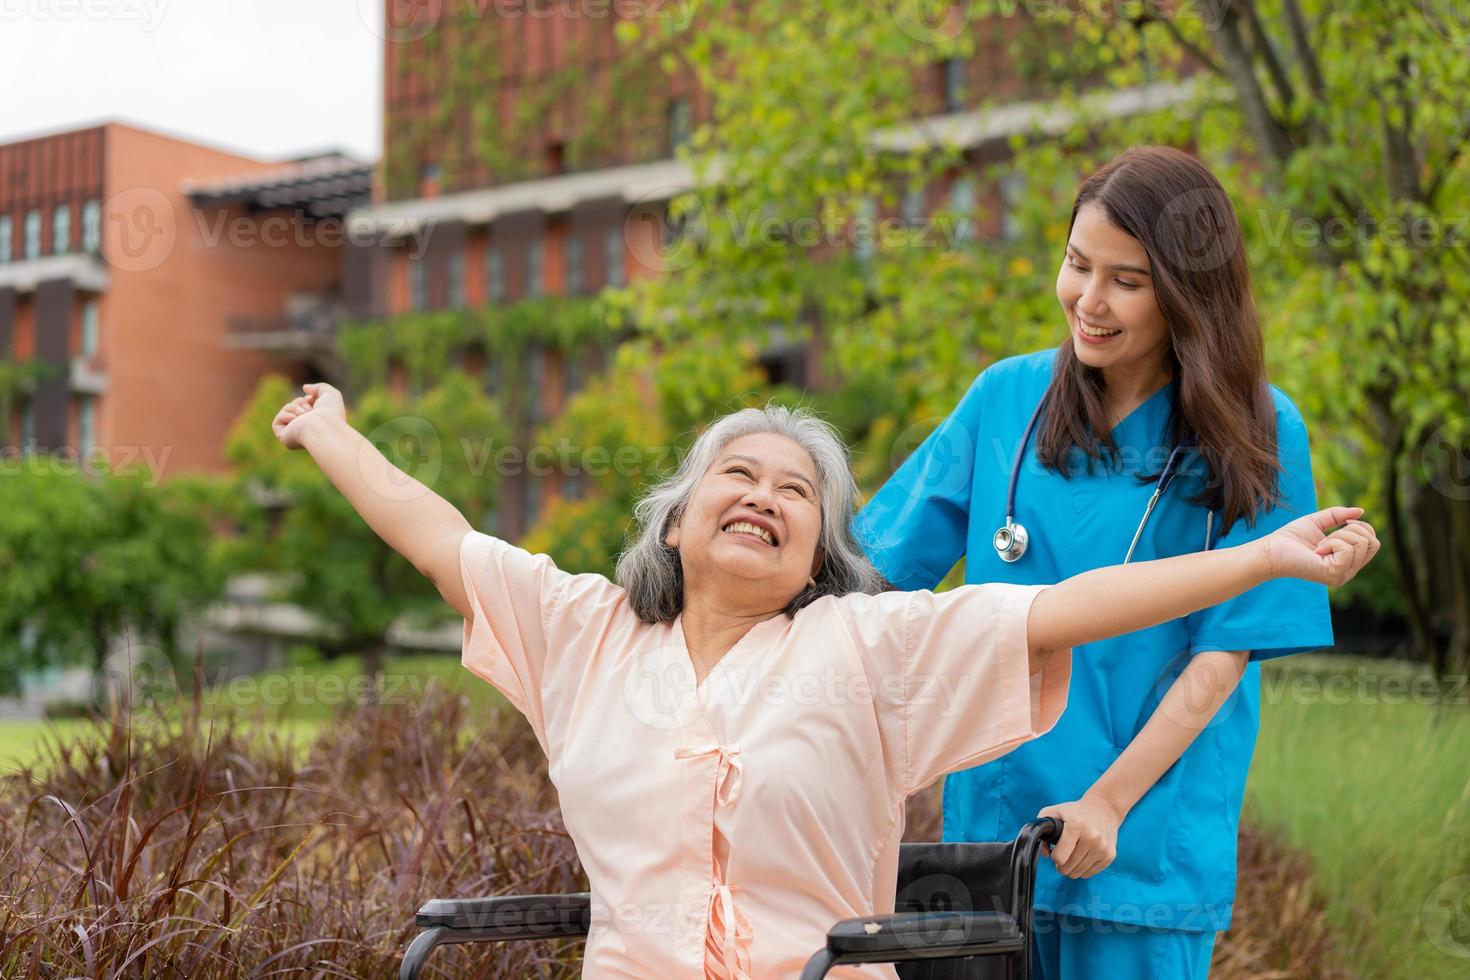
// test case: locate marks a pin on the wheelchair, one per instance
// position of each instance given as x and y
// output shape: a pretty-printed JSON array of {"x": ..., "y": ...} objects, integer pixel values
[{"x": 963, "y": 912}]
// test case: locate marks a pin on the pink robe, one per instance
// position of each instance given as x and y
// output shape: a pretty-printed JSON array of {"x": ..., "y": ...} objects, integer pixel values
[{"x": 725, "y": 828}]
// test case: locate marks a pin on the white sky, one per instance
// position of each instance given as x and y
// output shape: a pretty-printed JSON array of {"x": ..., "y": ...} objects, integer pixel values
[{"x": 266, "y": 78}]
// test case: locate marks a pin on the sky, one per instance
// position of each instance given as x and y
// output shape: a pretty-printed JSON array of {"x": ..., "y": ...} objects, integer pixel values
[{"x": 271, "y": 79}]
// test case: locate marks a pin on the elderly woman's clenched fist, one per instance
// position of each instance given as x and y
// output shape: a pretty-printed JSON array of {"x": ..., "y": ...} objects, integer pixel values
[{"x": 321, "y": 401}]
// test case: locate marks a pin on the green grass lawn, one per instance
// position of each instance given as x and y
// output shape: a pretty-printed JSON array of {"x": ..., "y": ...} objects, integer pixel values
[
  {"x": 1374, "y": 785},
  {"x": 295, "y": 701}
]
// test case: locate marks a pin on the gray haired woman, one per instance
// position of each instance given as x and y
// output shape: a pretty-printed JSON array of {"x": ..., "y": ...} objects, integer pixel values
[{"x": 733, "y": 727}]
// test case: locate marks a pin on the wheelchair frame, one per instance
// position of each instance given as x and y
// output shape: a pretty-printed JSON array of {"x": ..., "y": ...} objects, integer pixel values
[{"x": 900, "y": 937}]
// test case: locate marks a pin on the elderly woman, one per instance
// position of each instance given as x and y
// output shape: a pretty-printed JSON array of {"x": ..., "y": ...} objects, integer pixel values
[{"x": 735, "y": 725}]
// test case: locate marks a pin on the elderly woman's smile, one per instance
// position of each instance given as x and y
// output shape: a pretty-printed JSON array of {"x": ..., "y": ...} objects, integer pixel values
[
  {"x": 755, "y": 514},
  {"x": 755, "y": 530}
]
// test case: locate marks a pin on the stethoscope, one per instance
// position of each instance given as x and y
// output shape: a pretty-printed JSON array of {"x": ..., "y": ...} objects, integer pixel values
[{"x": 1012, "y": 539}]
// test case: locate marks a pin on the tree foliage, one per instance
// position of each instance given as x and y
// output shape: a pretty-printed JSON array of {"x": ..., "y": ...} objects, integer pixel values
[
  {"x": 1339, "y": 130},
  {"x": 87, "y": 558}
]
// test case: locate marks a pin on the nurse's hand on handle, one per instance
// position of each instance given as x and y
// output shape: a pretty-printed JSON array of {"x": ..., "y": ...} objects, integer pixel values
[{"x": 1089, "y": 839}]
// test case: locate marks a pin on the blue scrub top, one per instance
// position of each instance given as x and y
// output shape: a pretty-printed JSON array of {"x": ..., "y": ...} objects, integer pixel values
[{"x": 1175, "y": 865}]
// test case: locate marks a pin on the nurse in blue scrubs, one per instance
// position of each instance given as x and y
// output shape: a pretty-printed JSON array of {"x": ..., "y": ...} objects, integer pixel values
[{"x": 1163, "y": 370}]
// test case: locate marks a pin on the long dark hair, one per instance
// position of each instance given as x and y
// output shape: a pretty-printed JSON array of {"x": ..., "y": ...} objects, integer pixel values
[{"x": 1178, "y": 211}]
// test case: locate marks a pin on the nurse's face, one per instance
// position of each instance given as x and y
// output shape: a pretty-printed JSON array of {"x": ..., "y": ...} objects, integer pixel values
[
  {"x": 755, "y": 517},
  {"x": 1107, "y": 292}
]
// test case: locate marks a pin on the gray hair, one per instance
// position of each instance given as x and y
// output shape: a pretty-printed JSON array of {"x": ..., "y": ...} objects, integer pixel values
[{"x": 650, "y": 570}]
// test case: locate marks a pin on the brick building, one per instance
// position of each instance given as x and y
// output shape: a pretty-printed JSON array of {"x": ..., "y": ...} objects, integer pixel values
[
  {"x": 128, "y": 258},
  {"x": 523, "y": 155}
]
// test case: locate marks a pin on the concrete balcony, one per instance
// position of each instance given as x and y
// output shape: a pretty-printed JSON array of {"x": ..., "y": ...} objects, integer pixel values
[
  {"x": 307, "y": 327},
  {"x": 88, "y": 375},
  {"x": 86, "y": 271},
  {"x": 305, "y": 332}
]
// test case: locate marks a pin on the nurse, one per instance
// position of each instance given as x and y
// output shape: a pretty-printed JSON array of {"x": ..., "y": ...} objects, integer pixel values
[{"x": 1061, "y": 451}]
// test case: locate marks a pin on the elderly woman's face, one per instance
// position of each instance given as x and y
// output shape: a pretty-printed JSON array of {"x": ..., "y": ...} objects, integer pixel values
[{"x": 755, "y": 515}]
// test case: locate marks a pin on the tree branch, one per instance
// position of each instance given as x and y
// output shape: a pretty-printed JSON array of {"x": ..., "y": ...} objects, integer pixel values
[
  {"x": 1398, "y": 145},
  {"x": 1268, "y": 131},
  {"x": 1457, "y": 151},
  {"x": 1302, "y": 45},
  {"x": 1194, "y": 50},
  {"x": 1267, "y": 51}
]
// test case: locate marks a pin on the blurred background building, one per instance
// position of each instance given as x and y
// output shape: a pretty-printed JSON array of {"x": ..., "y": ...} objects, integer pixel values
[
  {"x": 140, "y": 300},
  {"x": 148, "y": 282}
]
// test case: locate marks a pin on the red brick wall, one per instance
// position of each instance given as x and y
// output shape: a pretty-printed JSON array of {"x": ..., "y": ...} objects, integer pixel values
[{"x": 172, "y": 384}]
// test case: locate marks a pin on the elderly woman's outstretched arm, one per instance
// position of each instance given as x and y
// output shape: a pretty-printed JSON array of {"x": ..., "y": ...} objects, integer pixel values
[
  {"x": 412, "y": 519},
  {"x": 1112, "y": 601}
]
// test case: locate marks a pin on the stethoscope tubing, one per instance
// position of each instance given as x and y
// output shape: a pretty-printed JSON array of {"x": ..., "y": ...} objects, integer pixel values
[{"x": 1012, "y": 539}]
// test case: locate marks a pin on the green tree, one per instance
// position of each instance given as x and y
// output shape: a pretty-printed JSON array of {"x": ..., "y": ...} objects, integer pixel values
[
  {"x": 295, "y": 524},
  {"x": 85, "y": 559},
  {"x": 1339, "y": 129}
]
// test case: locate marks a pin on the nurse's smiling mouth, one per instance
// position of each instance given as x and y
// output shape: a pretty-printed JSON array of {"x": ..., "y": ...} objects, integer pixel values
[{"x": 1093, "y": 333}]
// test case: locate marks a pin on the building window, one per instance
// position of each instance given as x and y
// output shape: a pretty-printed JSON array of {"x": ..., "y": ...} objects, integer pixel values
[
  {"x": 614, "y": 272},
  {"x": 494, "y": 274},
  {"x": 962, "y": 201},
  {"x": 535, "y": 382},
  {"x": 572, "y": 486},
  {"x": 913, "y": 207},
  {"x": 1012, "y": 189},
  {"x": 7, "y": 229},
  {"x": 531, "y": 502},
  {"x": 575, "y": 277},
  {"x": 89, "y": 328},
  {"x": 418, "y": 285},
  {"x": 494, "y": 375},
  {"x": 456, "y": 279},
  {"x": 953, "y": 70},
  {"x": 87, "y": 426},
  {"x": 864, "y": 229},
  {"x": 784, "y": 362},
  {"x": 573, "y": 374},
  {"x": 28, "y": 426},
  {"x": 61, "y": 229},
  {"x": 536, "y": 268},
  {"x": 33, "y": 233},
  {"x": 92, "y": 226},
  {"x": 678, "y": 123}
]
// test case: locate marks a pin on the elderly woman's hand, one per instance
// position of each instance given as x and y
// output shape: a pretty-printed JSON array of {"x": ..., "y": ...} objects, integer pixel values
[
  {"x": 1308, "y": 548},
  {"x": 1089, "y": 835},
  {"x": 320, "y": 401}
]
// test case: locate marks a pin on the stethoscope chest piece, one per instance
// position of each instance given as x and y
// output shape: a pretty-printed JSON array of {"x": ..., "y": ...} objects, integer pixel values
[{"x": 1010, "y": 541}]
